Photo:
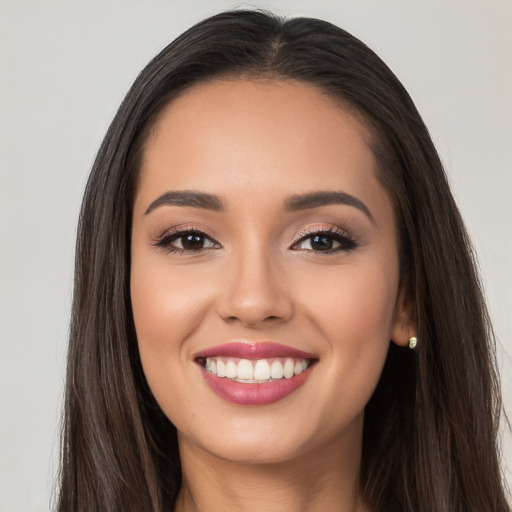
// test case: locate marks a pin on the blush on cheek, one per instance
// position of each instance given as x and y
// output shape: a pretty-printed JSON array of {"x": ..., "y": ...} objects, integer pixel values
[
  {"x": 357, "y": 303},
  {"x": 158, "y": 312}
]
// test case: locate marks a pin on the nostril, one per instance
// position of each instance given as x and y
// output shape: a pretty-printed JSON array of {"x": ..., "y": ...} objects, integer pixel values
[
  {"x": 253, "y": 320},
  {"x": 254, "y": 297}
]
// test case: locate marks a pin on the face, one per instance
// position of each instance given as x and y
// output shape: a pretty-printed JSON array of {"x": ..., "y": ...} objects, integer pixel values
[{"x": 265, "y": 274}]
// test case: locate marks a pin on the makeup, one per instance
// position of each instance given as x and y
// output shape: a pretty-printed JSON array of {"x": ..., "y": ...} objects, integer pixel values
[{"x": 245, "y": 373}]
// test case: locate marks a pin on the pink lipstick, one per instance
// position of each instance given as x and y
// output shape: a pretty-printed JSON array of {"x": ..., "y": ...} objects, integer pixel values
[
  {"x": 255, "y": 373},
  {"x": 260, "y": 350}
]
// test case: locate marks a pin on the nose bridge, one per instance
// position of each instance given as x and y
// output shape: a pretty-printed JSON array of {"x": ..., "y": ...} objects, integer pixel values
[{"x": 255, "y": 291}]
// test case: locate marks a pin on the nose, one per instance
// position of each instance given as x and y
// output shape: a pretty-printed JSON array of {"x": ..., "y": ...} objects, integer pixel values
[{"x": 255, "y": 292}]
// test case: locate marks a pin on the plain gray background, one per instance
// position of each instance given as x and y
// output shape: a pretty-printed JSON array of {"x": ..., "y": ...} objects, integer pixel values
[{"x": 64, "y": 68}]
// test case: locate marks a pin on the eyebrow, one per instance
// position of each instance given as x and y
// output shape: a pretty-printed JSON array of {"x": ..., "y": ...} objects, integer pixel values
[
  {"x": 294, "y": 203},
  {"x": 323, "y": 198},
  {"x": 187, "y": 198}
]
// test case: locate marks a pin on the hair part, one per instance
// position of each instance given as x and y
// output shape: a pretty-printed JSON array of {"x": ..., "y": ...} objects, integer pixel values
[{"x": 430, "y": 431}]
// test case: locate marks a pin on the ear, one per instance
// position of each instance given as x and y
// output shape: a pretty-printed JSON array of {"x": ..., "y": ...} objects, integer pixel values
[{"x": 404, "y": 320}]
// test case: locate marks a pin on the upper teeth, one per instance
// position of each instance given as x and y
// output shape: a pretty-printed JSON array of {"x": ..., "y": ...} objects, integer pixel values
[{"x": 246, "y": 370}]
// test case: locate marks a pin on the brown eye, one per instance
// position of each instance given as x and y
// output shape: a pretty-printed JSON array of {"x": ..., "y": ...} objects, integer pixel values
[
  {"x": 321, "y": 243},
  {"x": 328, "y": 241},
  {"x": 192, "y": 241},
  {"x": 186, "y": 241}
]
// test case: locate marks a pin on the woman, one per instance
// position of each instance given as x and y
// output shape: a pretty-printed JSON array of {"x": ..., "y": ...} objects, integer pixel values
[{"x": 266, "y": 212}]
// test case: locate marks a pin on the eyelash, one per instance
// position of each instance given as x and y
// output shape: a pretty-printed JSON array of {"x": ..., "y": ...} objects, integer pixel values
[
  {"x": 346, "y": 241},
  {"x": 165, "y": 241}
]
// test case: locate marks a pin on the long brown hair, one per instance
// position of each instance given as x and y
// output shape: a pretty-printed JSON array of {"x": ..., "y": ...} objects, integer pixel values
[{"x": 430, "y": 431}]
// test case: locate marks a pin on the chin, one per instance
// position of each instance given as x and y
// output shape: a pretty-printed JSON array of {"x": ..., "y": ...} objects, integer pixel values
[{"x": 264, "y": 440}]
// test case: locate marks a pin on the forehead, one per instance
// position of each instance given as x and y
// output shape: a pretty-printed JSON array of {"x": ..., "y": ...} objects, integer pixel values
[{"x": 263, "y": 135}]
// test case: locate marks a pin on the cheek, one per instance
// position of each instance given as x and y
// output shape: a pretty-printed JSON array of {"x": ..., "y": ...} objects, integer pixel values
[
  {"x": 168, "y": 306},
  {"x": 354, "y": 313},
  {"x": 354, "y": 305},
  {"x": 167, "y": 303}
]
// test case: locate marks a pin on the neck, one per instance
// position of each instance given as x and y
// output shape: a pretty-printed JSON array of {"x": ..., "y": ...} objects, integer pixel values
[{"x": 325, "y": 479}]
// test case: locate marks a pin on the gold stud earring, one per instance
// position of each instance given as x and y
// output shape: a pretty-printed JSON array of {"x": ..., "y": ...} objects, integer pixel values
[{"x": 413, "y": 341}]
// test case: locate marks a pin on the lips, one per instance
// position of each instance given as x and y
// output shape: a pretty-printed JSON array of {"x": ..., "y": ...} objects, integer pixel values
[
  {"x": 247, "y": 350},
  {"x": 247, "y": 373}
]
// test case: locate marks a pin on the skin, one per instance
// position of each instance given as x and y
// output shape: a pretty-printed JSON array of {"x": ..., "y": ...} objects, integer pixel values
[{"x": 254, "y": 143}]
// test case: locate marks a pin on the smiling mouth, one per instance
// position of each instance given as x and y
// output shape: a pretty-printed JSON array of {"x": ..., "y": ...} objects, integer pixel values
[
  {"x": 250, "y": 374},
  {"x": 254, "y": 371}
]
